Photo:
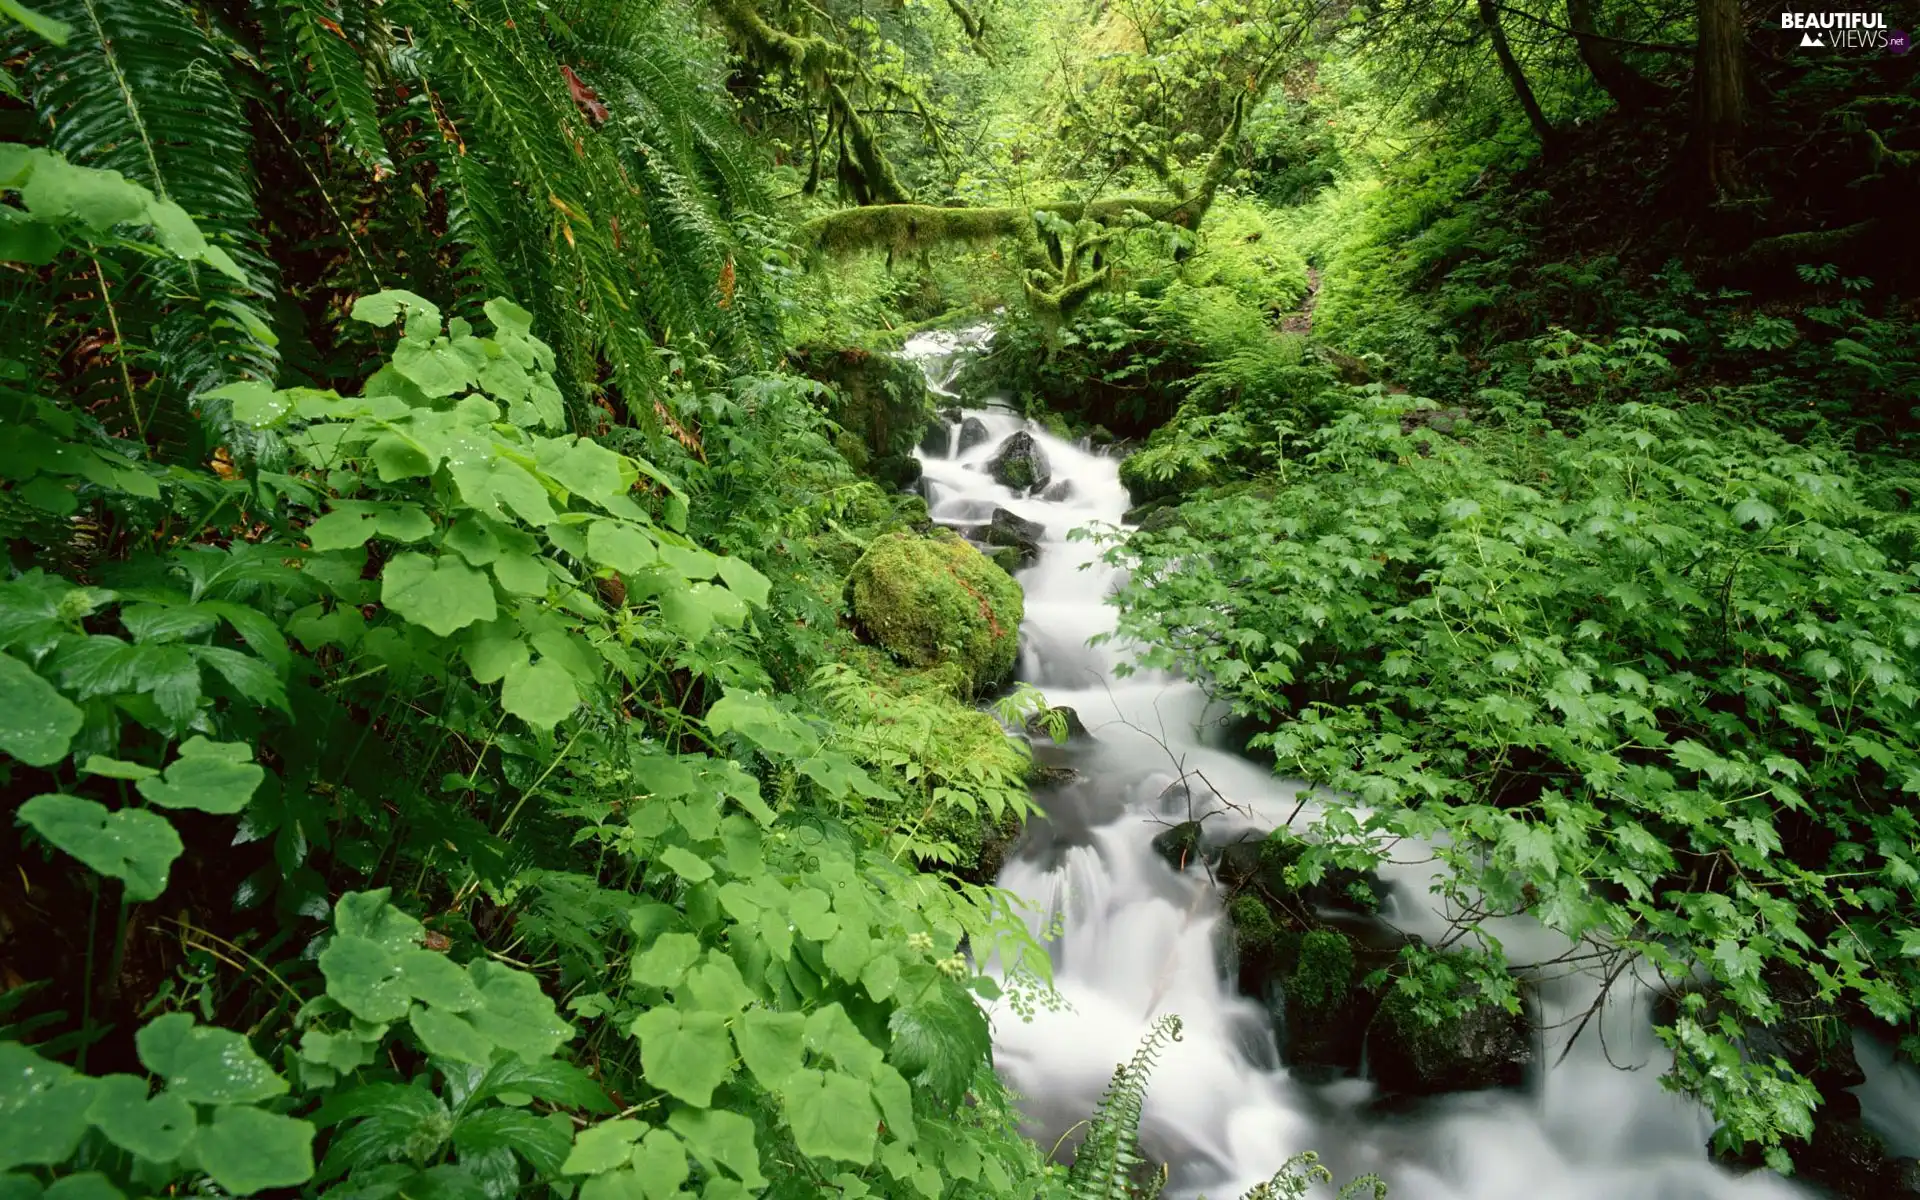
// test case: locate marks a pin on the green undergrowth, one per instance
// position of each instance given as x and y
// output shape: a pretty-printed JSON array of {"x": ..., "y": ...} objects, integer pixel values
[{"x": 463, "y": 808}]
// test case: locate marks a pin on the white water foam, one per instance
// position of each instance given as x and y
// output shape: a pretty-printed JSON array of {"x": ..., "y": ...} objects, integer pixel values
[{"x": 1141, "y": 940}]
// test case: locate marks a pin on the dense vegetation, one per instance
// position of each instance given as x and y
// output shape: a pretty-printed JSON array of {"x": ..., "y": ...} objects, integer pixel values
[{"x": 479, "y": 715}]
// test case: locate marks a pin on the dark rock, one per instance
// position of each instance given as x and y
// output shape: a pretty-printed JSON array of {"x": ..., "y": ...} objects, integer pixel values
[
  {"x": 973, "y": 432},
  {"x": 1037, "y": 724},
  {"x": 1843, "y": 1155},
  {"x": 1179, "y": 845},
  {"x": 951, "y": 414},
  {"x": 1100, "y": 435},
  {"x": 1141, "y": 512},
  {"x": 900, "y": 471},
  {"x": 1263, "y": 864},
  {"x": 937, "y": 442},
  {"x": 1813, "y": 1035},
  {"x": 1484, "y": 1047},
  {"x": 1059, "y": 489},
  {"x": 1020, "y": 463},
  {"x": 1011, "y": 529},
  {"x": 1166, "y": 516},
  {"x": 1007, "y": 528},
  {"x": 1054, "y": 776}
]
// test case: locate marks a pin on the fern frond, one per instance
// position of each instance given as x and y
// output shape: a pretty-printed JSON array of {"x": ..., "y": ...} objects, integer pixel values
[
  {"x": 320, "y": 63},
  {"x": 141, "y": 90},
  {"x": 1103, "y": 1168}
]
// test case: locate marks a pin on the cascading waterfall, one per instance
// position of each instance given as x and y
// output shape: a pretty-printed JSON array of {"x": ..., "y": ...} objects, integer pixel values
[{"x": 1139, "y": 939}]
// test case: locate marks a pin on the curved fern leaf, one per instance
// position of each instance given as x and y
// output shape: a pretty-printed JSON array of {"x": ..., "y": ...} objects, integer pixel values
[
  {"x": 324, "y": 65},
  {"x": 141, "y": 90}
]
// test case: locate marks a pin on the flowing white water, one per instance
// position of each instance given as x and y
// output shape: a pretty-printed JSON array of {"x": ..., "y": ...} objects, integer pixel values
[{"x": 1141, "y": 940}]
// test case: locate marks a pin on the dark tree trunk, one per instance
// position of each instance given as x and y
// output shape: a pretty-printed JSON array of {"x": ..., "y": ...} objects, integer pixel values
[
  {"x": 1522, "y": 90},
  {"x": 1630, "y": 90},
  {"x": 1719, "y": 97}
]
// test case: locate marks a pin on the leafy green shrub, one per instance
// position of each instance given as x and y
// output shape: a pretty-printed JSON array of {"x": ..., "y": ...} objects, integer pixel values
[
  {"x": 932, "y": 600},
  {"x": 1652, "y": 680}
]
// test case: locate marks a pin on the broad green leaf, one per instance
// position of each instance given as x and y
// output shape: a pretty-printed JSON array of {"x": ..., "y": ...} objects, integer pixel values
[
  {"x": 436, "y": 370},
  {"x": 342, "y": 529},
  {"x": 664, "y": 963},
  {"x": 831, "y": 1032},
  {"x": 831, "y": 1115},
  {"x": 745, "y": 582},
  {"x": 720, "y": 1138},
  {"x": 522, "y": 574},
  {"x": 716, "y": 985},
  {"x": 212, "y": 777},
  {"x": 43, "y": 1108},
  {"x": 156, "y": 1130},
  {"x": 686, "y": 1055},
  {"x": 205, "y": 1064},
  {"x": 686, "y": 864},
  {"x": 895, "y": 1097},
  {"x": 50, "y": 28},
  {"x": 583, "y": 467},
  {"x": 365, "y": 978},
  {"x": 441, "y": 594},
  {"x": 621, "y": 545},
  {"x": 515, "y": 1012},
  {"x": 17, "y": 1186},
  {"x": 37, "y": 723},
  {"x": 879, "y": 975},
  {"x": 494, "y": 649},
  {"x": 246, "y": 1150},
  {"x": 382, "y": 308},
  {"x": 542, "y": 1142},
  {"x": 660, "y": 1162},
  {"x": 371, "y": 915},
  {"x": 542, "y": 693},
  {"x": 847, "y": 954},
  {"x": 600, "y": 1148},
  {"x": 450, "y": 1035},
  {"x": 87, "y": 1185},
  {"x": 131, "y": 845},
  {"x": 772, "y": 1044},
  {"x": 396, "y": 458},
  {"x": 115, "y": 768}
]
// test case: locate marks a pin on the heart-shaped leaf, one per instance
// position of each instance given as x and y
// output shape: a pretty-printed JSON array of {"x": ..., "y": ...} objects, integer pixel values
[{"x": 132, "y": 845}]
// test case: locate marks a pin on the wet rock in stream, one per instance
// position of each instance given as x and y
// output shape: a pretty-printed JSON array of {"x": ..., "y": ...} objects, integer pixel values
[{"x": 1020, "y": 464}]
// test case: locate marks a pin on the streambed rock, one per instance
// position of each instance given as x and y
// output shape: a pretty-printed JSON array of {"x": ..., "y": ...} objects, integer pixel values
[
  {"x": 1020, "y": 464},
  {"x": 1484, "y": 1047},
  {"x": 973, "y": 432},
  {"x": 1010, "y": 529}
]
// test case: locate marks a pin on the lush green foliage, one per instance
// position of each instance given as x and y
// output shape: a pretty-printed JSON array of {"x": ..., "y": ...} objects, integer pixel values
[{"x": 1652, "y": 681}]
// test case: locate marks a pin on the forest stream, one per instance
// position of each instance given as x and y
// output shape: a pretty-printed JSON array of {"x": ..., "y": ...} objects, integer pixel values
[{"x": 1134, "y": 940}]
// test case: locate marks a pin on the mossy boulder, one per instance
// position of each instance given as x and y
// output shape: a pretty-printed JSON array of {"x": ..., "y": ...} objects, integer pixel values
[
  {"x": 936, "y": 600},
  {"x": 1484, "y": 1046},
  {"x": 881, "y": 400},
  {"x": 1020, "y": 463},
  {"x": 1255, "y": 934}
]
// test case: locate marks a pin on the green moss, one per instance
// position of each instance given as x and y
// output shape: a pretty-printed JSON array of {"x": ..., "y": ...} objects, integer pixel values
[
  {"x": 1254, "y": 931},
  {"x": 1323, "y": 972},
  {"x": 936, "y": 600}
]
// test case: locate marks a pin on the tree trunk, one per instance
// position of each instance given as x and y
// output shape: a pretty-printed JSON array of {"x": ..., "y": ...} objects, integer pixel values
[
  {"x": 1719, "y": 97},
  {"x": 1522, "y": 91},
  {"x": 1631, "y": 91}
]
